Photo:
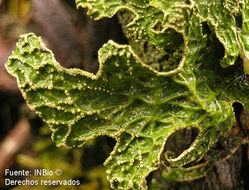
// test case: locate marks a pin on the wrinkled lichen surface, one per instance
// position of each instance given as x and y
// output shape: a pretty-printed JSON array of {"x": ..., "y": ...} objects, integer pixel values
[{"x": 164, "y": 80}]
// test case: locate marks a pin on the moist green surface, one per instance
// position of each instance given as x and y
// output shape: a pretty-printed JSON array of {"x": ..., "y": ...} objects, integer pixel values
[{"x": 141, "y": 105}]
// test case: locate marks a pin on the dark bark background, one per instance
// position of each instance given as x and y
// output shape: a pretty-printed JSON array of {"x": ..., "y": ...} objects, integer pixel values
[{"x": 75, "y": 39}]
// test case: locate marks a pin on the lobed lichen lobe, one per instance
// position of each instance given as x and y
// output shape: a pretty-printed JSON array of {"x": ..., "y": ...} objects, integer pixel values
[{"x": 135, "y": 97}]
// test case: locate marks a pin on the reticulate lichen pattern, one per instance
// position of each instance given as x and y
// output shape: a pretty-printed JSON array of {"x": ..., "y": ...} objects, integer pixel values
[{"x": 137, "y": 98}]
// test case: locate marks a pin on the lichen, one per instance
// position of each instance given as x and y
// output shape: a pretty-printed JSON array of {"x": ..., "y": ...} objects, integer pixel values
[{"x": 136, "y": 103}]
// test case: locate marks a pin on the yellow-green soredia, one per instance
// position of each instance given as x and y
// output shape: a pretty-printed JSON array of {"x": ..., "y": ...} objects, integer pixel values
[{"x": 132, "y": 101}]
